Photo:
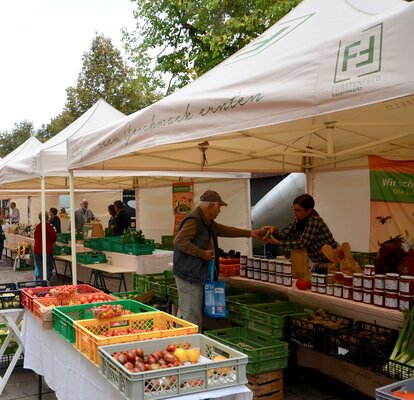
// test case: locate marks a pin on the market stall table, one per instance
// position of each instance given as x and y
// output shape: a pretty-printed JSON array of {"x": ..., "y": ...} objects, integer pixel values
[
  {"x": 12, "y": 319},
  {"x": 73, "y": 377}
]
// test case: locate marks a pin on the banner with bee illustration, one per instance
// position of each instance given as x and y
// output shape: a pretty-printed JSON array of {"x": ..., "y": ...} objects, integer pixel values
[
  {"x": 183, "y": 201},
  {"x": 392, "y": 199}
]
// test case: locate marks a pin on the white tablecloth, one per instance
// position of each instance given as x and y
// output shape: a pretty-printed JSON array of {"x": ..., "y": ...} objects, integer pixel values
[{"x": 73, "y": 377}]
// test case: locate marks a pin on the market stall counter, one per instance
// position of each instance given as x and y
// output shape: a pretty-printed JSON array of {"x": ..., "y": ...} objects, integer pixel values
[{"x": 72, "y": 376}]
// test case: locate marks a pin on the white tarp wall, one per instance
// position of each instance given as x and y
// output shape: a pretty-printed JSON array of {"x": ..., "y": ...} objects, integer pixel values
[
  {"x": 155, "y": 214},
  {"x": 342, "y": 198}
]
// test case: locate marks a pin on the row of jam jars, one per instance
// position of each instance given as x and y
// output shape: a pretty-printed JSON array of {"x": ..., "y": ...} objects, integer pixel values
[{"x": 243, "y": 266}]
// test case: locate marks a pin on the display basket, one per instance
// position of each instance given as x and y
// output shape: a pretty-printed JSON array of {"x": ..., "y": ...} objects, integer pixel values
[
  {"x": 236, "y": 305},
  {"x": 61, "y": 250},
  {"x": 207, "y": 374},
  {"x": 151, "y": 325},
  {"x": 160, "y": 288},
  {"x": 91, "y": 257},
  {"x": 354, "y": 345},
  {"x": 9, "y": 296},
  {"x": 380, "y": 362},
  {"x": 386, "y": 392},
  {"x": 43, "y": 307},
  {"x": 30, "y": 293},
  {"x": 93, "y": 243},
  {"x": 229, "y": 269},
  {"x": 140, "y": 281},
  {"x": 6, "y": 360},
  {"x": 63, "y": 237},
  {"x": 311, "y": 334},
  {"x": 63, "y": 317},
  {"x": 269, "y": 318},
  {"x": 265, "y": 354},
  {"x": 138, "y": 249}
]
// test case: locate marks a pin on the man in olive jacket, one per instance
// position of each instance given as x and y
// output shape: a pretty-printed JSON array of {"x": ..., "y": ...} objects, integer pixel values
[{"x": 194, "y": 246}]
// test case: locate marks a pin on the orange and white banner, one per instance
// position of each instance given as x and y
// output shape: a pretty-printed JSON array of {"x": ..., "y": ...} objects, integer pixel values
[
  {"x": 183, "y": 201},
  {"x": 392, "y": 199}
]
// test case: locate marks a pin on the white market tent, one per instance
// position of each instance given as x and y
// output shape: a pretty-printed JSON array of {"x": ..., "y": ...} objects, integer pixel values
[{"x": 324, "y": 87}]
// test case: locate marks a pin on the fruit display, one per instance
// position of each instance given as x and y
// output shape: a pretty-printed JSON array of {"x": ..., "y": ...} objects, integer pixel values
[
  {"x": 163, "y": 368},
  {"x": 109, "y": 311},
  {"x": 10, "y": 300}
]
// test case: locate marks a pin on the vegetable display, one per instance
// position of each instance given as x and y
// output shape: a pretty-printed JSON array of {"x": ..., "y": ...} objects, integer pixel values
[{"x": 403, "y": 351}]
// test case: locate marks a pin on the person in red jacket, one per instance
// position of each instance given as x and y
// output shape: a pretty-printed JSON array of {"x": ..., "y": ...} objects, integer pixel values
[{"x": 37, "y": 248}]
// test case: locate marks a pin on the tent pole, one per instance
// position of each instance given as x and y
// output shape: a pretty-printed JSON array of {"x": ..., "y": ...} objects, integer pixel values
[
  {"x": 44, "y": 252},
  {"x": 73, "y": 229}
]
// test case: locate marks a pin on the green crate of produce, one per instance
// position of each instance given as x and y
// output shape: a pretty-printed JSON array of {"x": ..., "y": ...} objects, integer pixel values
[
  {"x": 172, "y": 294},
  {"x": 148, "y": 298},
  {"x": 63, "y": 237},
  {"x": 167, "y": 242},
  {"x": 63, "y": 317},
  {"x": 9, "y": 296},
  {"x": 138, "y": 249},
  {"x": 364, "y": 258},
  {"x": 236, "y": 305},
  {"x": 93, "y": 243},
  {"x": 265, "y": 354},
  {"x": 269, "y": 318},
  {"x": 118, "y": 247},
  {"x": 140, "y": 281},
  {"x": 12, "y": 347},
  {"x": 61, "y": 250},
  {"x": 90, "y": 257},
  {"x": 160, "y": 287},
  {"x": 78, "y": 236}
]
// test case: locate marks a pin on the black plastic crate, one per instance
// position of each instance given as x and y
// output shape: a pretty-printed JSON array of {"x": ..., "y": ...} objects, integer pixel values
[
  {"x": 310, "y": 333},
  {"x": 354, "y": 345},
  {"x": 381, "y": 363},
  {"x": 7, "y": 359}
]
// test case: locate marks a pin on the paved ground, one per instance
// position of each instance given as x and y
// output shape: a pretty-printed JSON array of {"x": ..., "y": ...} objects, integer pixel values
[{"x": 300, "y": 383}]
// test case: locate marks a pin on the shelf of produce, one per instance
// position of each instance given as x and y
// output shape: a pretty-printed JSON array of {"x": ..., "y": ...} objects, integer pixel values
[
  {"x": 361, "y": 379},
  {"x": 347, "y": 308}
]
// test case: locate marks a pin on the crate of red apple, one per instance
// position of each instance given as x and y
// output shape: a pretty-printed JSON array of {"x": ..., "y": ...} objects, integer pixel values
[{"x": 162, "y": 368}]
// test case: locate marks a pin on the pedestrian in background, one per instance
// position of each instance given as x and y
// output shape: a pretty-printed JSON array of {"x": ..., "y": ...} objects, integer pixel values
[
  {"x": 83, "y": 215},
  {"x": 54, "y": 219}
]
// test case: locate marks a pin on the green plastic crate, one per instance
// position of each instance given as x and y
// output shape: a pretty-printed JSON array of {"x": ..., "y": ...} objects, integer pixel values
[
  {"x": 138, "y": 249},
  {"x": 140, "y": 281},
  {"x": 269, "y": 318},
  {"x": 90, "y": 258},
  {"x": 61, "y": 250},
  {"x": 265, "y": 354},
  {"x": 172, "y": 294},
  {"x": 63, "y": 237},
  {"x": 160, "y": 287},
  {"x": 93, "y": 243},
  {"x": 63, "y": 317}
]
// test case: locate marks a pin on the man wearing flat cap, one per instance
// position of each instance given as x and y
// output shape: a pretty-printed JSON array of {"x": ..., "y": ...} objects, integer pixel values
[
  {"x": 83, "y": 215},
  {"x": 194, "y": 246}
]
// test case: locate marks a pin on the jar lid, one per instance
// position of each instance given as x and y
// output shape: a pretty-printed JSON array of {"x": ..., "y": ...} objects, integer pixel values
[
  {"x": 381, "y": 291},
  {"x": 347, "y": 287},
  {"x": 347, "y": 276},
  {"x": 369, "y": 266},
  {"x": 358, "y": 274},
  {"x": 367, "y": 291},
  {"x": 409, "y": 296},
  {"x": 410, "y": 277},
  {"x": 379, "y": 276},
  {"x": 330, "y": 274},
  {"x": 394, "y": 293},
  {"x": 392, "y": 275},
  {"x": 339, "y": 273}
]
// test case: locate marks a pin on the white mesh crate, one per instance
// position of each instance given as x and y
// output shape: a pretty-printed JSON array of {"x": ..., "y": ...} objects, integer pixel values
[
  {"x": 175, "y": 381},
  {"x": 385, "y": 392}
]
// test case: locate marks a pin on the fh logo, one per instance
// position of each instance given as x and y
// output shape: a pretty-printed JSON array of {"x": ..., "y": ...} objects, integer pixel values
[
  {"x": 270, "y": 37},
  {"x": 360, "y": 56}
]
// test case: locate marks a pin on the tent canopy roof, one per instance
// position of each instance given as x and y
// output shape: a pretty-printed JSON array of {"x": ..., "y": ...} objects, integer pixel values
[{"x": 313, "y": 92}]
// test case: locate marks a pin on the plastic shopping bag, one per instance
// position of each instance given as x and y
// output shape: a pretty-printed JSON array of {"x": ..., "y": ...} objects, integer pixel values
[{"x": 214, "y": 295}]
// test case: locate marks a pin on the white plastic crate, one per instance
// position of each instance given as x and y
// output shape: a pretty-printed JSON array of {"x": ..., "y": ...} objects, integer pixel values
[
  {"x": 385, "y": 392},
  {"x": 175, "y": 381}
]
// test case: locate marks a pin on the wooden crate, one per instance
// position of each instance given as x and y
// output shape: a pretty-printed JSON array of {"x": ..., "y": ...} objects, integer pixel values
[{"x": 268, "y": 385}]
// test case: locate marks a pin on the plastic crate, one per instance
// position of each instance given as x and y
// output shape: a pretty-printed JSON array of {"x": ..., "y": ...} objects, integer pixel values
[
  {"x": 381, "y": 363},
  {"x": 43, "y": 308},
  {"x": 160, "y": 288},
  {"x": 26, "y": 297},
  {"x": 9, "y": 296},
  {"x": 269, "y": 318},
  {"x": 229, "y": 269},
  {"x": 93, "y": 243},
  {"x": 7, "y": 359},
  {"x": 186, "y": 379},
  {"x": 89, "y": 332},
  {"x": 138, "y": 249},
  {"x": 62, "y": 250},
  {"x": 91, "y": 257},
  {"x": 311, "y": 335},
  {"x": 63, "y": 237},
  {"x": 140, "y": 281},
  {"x": 354, "y": 345},
  {"x": 265, "y": 354},
  {"x": 25, "y": 264},
  {"x": 172, "y": 294},
  {"x": 385, "y": 392},
  {"x": 236, "y": 305},
  {"x": 63, "y": 317},
  {"x": 31, "y": 284}
]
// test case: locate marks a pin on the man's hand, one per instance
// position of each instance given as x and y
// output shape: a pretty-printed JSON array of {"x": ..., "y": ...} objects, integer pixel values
[
  {"x": 208, "y": 255},
  {"x": 257, "y": 233}
]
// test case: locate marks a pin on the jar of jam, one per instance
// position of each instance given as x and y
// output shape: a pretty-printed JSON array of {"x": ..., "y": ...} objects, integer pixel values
[
  {"x": 272, "y": 266},
  {"x": 339, "y": 277},
  {"x": 379, "y": 282},
  {"x": 357, "y": 280},
  {"x": 357, "y": 294},
  {"x": 256, "y": 262},
  {"x": 314, "y": 287},
  {"x": 243, "y": 271},
  {"x": 406, "y": 285},
  {"x": 378, "y": 298},
  {"x": 347, "y": 292},
  {"x": 256, "y": 274},
  {"x": 369, "y": 270},
  {"x": 321, "y": 289},
  {"x": 330, "y": 289},
  {"x": 367, "y": 296},
  {"x": 279, "y": 265},
  {"x": 250, "y": 271},
  {"x": 391, "y": 300},
  {"x": 287, "y": 279},
  {"x": 391, "y": 282},
  {"x": 368, "y": 282},
  {"x": 405, "y": 302},
  {"x": 338, "y": 290},
  {"x": 348, "y": 280},
  {"x": 322, "y": 279},
  {"x": 264, "y": 276},
  {"x": 279, "y": 279},
  {"x": 330, "y": 279},
  {"x": 314, "y": 278},
  {"x": 287, "y": 267},
  {"x": 272, "y": 277},
  {"x": 243, "y": 260}
]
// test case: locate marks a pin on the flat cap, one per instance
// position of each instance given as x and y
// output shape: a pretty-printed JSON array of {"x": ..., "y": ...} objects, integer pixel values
[{"x": 212, "y": 197}]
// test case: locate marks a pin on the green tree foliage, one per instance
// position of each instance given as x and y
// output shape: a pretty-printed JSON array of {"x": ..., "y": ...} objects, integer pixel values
[
  {"x": 13, "y": 139},
  {"x": 104, "y": 75},
  {"x": 183, "y": 39}
]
